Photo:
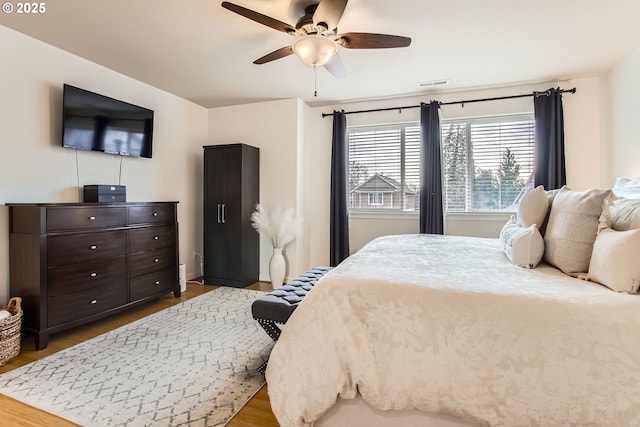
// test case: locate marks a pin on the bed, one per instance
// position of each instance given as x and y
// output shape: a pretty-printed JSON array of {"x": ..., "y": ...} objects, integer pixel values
[{"x": 445, "y": 330}]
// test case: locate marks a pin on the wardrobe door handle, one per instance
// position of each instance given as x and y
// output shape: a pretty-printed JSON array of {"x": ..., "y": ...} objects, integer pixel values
[
  {"x": 223, "y": 214},
  {"x": 218, "y": 213}
]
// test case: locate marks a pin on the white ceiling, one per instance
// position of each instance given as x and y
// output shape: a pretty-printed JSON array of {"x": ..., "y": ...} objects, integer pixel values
[{"x": 202, "y": 52}]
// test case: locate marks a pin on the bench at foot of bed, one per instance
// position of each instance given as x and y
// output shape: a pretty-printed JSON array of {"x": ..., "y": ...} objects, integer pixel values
[{"x": 274, "y": 308}]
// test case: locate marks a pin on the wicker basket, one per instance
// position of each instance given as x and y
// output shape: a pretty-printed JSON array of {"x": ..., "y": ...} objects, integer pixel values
[{"x": 10, "y": 331}]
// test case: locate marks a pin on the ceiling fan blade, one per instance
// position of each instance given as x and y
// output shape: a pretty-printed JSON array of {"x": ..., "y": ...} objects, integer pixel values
[
  {"x": 336, "y": 67},
  {"x": 329, "y": 12},
  {"x": 372, "y": 41},
  {"x": 276, "y": 54},
  {"x": 260, "y": 18}
]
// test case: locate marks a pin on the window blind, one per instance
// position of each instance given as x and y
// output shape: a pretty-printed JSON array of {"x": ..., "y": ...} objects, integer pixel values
[{"x": 487, "y": 164}]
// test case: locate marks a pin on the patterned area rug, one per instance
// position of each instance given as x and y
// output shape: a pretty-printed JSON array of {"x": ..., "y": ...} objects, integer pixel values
[{"x": 193, "y": 364}]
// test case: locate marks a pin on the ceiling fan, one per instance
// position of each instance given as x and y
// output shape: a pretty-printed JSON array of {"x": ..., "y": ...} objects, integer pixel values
[{"x": 316, "y": 36}]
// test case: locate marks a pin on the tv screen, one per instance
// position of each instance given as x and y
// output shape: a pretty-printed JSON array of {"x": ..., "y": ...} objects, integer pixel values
[{"x": 96, "y": 122}]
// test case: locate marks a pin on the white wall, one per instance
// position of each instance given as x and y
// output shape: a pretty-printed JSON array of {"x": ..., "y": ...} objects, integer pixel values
[
  {"x": 624, "y": 101},
  {"x": 35, "y": 168},
  {"x": 274, "y": 128},
  {"x": 582, "y": 141}
]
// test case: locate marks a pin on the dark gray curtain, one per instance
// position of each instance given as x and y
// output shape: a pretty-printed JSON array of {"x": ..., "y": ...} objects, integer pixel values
[
  {"x": 549, "y": 165},
  {"x": 339, "y": 227},
  {"x": 430, "y": 170}
]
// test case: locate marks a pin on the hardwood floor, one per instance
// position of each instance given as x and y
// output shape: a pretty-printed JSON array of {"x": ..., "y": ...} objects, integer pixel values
[{"x": 256, "y": 413}]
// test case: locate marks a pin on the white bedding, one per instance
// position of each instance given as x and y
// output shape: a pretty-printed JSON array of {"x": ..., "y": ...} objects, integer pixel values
[{"x": 446, "y": 324}]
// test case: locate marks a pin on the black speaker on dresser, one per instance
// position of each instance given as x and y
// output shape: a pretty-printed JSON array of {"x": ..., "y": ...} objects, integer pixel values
[{"x": 104, "y": 193}]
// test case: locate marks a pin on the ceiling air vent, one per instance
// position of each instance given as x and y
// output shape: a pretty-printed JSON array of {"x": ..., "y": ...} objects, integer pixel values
[{"x": 434, "y": 83}]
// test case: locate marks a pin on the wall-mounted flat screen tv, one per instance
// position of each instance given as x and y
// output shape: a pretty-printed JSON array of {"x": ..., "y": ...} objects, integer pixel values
[{"x": 98, "y": 123}]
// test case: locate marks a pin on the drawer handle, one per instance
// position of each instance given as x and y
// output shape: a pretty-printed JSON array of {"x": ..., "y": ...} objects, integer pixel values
[
  {"x": 156, "y": 238},
  {"x": 94, "y": 274},
  {"x": 155, "y": 214},
  {"x": 94, "y": 301},
  {"x": 156, "y": 260},
  {"x": 157, "y": 282},
  {"x": 93, "y": 247},
  {"x": 92, "y": 218}
]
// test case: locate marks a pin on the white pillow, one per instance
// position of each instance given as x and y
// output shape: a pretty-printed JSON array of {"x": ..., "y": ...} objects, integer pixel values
[
  {"x": 522, "y": 245},
  {"x": 572, "y": 228},
  {"x": 629, "y": 188},
  {"x": 615, "y": 261},
  {"x": 533, "y": 207},
  {"x": 624, "y": 214}
]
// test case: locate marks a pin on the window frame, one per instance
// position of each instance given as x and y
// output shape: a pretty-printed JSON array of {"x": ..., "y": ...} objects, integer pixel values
[
  {"x": 379, "y": 211},
  {"x": 401, "y": 127}
]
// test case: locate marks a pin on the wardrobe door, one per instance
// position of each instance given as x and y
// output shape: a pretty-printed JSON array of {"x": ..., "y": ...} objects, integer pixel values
[
  {"x": 214, "y": 262},
  {"x": 231, "y": 213}
]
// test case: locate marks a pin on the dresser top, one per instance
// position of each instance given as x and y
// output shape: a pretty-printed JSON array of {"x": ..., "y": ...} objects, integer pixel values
[{"x": 67, "y": 204}]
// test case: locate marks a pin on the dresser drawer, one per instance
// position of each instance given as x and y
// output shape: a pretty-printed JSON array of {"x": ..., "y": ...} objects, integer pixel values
[
  {"x": 153, "y": 283},
  {"x": 72, "y": 278},
  {"x": 85, "y": 217},
  {"x": 151, "y": 238},
  {"x": 150, "y": 261},
  {"x": 77, "y": 248},
  {"x": 82, "y": 304},
  {"x": 153, "y": 214}
]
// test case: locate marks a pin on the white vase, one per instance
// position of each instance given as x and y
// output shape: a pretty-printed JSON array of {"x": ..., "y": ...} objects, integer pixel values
[{"x": 277, "y": 268}]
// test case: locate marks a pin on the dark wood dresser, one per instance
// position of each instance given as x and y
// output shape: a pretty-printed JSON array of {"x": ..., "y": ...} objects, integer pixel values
[{"x": 73, "y": 263}]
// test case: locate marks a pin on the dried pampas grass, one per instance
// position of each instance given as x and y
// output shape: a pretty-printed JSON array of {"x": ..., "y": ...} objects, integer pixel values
[{"x": 279, "y": 225}]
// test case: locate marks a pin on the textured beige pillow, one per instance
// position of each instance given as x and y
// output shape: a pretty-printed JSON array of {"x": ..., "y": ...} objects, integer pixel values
[
  {"x": 533, "y": 207},
  {"x": 522, "y": 245},
  {"x": 572, "y": 229},
  {"x": 614, "y": 261},
  {"x": 624, "y": 214}
]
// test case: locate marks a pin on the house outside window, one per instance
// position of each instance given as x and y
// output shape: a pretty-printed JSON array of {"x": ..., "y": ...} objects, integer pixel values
[{"x": 487, "y": 164}]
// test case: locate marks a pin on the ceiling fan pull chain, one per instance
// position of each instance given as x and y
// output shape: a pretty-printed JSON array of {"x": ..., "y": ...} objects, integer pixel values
[{"x": 315, "y": 81}]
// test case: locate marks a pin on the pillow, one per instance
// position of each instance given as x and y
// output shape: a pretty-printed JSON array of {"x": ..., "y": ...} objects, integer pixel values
[
  {"x": 533, "y": 207},
  {"x": 624, "y": 214},
  {"x": 614, "y": 262},
  {"x": 572, "y": 228},
  {"x": 551, "y": 195},
  {"x": 629, "y": 188},
  {"x": 522, "y": 245}
]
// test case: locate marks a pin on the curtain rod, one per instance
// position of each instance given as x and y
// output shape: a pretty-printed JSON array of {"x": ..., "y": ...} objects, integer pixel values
[{"x": 470, "y": 101}]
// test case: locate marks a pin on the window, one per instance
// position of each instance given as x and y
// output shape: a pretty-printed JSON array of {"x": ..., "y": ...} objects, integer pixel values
[
  {"x": 487, "y": 163},
  {"x": 375, "y": 199},
  {"x": 383, "y": 167}
]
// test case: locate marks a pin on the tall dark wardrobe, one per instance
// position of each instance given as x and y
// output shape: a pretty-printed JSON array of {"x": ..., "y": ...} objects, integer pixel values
[{"x": 231, "y": 192}]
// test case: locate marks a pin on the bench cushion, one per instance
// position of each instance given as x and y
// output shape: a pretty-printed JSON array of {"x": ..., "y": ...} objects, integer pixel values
[{"x": 278, "y": 305}]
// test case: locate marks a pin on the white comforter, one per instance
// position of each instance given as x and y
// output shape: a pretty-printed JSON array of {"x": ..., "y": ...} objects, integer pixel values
[{"x": 446, "y": 324}]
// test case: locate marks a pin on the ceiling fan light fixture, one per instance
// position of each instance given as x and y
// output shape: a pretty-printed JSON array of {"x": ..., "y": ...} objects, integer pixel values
[{"x": 314, "y": 50}]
